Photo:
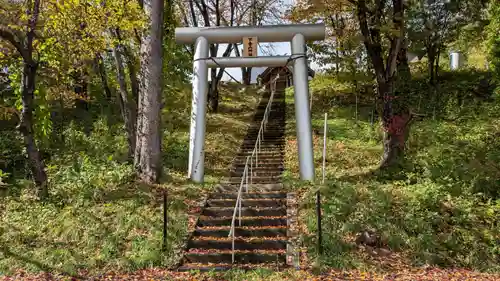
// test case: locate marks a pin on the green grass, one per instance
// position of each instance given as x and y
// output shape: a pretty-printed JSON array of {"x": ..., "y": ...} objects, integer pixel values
[
  {"x": 98, "y": 218},
  {"x": 442, "y": 209}
]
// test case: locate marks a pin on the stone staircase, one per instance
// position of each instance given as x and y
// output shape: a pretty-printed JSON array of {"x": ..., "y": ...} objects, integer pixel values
[{"x": 261, "y": 240}]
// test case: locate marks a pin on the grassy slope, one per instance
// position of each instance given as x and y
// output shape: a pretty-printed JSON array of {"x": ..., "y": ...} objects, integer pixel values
[
  {"x": 431, "y": 213},
  {"x": 98, "y": 219}
]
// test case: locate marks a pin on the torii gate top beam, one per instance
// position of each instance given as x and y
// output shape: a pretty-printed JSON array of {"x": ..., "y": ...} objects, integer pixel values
[{"x": 234, "y": 34}]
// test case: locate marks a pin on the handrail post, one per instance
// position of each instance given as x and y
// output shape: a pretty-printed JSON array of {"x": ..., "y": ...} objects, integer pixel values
[
  {"x": 324, "y": 146},
  {"x": 232, "y": 256},
  {"x": 251, "y": 171},
  {"x": 239, "y": 215},
  {"x": 256, "y": 155},
  {"x": 246, "y": 180},
  {"x": 258, "y": 146}
]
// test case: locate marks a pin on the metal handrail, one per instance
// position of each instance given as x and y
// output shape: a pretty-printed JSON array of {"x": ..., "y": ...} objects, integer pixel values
[{"x": 249, "y": 164}]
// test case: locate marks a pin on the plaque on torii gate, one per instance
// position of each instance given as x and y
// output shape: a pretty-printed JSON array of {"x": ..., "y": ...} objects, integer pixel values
[
  {"x": 202, "y": 37},
  {"x": 250, "y": 46}
]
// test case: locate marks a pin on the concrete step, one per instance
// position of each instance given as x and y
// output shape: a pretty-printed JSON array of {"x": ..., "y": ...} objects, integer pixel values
[
  {"x": 237, "y": 181},
  {"x": 255, "y": 244},
  {"x": 262, "y": 153},
  {"x": 267, "y": 138},
  {"x": 274, "y": 161},
  {"x": 268, "y": 132},
  {"x": 247, "y": 202},
  {"x": 274, "y": 146},
  {"x": 256, "y": 180},
  {"x": 273, "y": 123},
  {"x": 278, "y": 128},
  {"x": 265, "y": 144},
  {"x": 261, "y": 167},
  {"x": 274, "y": 116},
  {"x": 257, "y": 173},
  {"x": 249, "y": 195},
  {"x": 262, "y": 157},
  {"x": 245, "y": 221},
  {"x": 241, "y": 231},
  {"x": 245, "y": 211},
  {"x": 239, "y": 257},
  {"x": 233, "y": 187},
  {"x": 226, "y": 266}
]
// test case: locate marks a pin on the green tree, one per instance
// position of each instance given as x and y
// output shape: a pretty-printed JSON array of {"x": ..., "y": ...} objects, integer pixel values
[
  {"x": 433, "y": 24},
  {"x": 380, "y": 27},
  {"x": 23, "y": 37},
  {"x": 52, "y": 46}
]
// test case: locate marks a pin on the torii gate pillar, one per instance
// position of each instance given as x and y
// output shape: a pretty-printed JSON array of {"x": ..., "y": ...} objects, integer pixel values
[{"x": 302, "y": 112}]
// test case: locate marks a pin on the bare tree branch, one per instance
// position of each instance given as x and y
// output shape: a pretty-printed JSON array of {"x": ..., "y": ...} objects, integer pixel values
[{"x": 193, "y": 13}]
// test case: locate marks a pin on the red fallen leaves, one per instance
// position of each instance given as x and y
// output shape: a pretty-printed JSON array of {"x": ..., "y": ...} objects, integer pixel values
[
  {"x": 243, "y": 218},
  {"x": 251, "y": 199},
  {"x": 242, "y": 227},
  {"x": 432, "y": 274},
  {"x": 194, "y": 210},
  {"x": 218, "y": 251},
  {"x": 248, "y": 208}
]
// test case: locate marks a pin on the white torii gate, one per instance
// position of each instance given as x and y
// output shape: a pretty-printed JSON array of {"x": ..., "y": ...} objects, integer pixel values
[{"x": 203, "y": 36}]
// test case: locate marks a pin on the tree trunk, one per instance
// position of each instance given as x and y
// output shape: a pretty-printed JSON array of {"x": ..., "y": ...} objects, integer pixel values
[
  {"x": 28, "y": 85},
  {"x": 436, "y": 69},
  {"x": 216, "y": 77},
  {"x": 134, "y": 83},
  {"x": 214, "y": 96},
  {"x": 395, "y": 120},
  {"x": 102, "y": 74},
  {"x": 148, "y": 145},
  {"x": 212, "y": 90},
  {"x": 430, "y": 64},
  {"x": 404, "y": 73},
  {"x": 132, "y": 72},
  {"x": 128, "y": 108},
  {"x": 394, "y": 114},
  {"x": 246, "y": 74},
  {"x": 37, "y": 166},
  {"x": 81, "y": 101}
]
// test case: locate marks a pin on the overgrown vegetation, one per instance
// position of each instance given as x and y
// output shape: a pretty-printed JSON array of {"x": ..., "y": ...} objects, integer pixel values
[
  {"x": 442, "y": 208},
  {"x": 98, "y": 218}
]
